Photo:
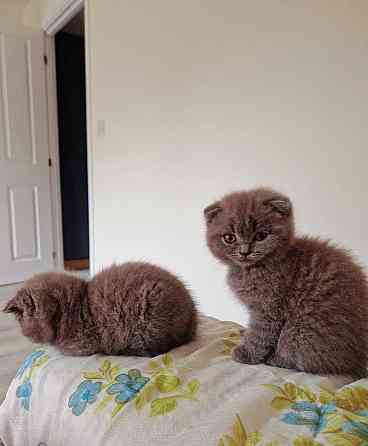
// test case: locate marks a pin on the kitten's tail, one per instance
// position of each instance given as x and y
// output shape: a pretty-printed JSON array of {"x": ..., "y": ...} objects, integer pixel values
[{"x": 360, "y": 374}]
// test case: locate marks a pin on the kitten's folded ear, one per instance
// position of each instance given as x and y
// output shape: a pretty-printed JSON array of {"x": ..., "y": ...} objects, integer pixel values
[
  {"x": 11, "y": 306},
  {"x": 211, "y": 211},
  {"x": 20, "y": 303},
  {"x": 281, "y": 205}
]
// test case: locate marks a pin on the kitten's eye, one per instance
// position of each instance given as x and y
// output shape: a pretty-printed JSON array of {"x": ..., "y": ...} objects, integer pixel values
[
  {"x": 229, "y": 238},
  {"x": 261, "y": 236}
]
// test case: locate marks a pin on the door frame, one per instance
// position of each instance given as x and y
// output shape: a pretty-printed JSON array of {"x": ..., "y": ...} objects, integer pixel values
[{"x": 53, "y": 25}]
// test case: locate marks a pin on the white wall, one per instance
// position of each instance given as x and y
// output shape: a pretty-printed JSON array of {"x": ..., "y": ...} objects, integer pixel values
[
  {"x": 38, "y": 13},
  {"x": 11, "y": 17},
  {"x": 201, "y": 98}
]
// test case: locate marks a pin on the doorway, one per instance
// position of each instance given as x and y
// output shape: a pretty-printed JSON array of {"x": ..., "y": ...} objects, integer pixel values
[{"x": 72, "y": 130}]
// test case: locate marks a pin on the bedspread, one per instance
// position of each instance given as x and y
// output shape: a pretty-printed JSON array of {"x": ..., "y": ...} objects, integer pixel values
[{"x": 194, "y": 395}]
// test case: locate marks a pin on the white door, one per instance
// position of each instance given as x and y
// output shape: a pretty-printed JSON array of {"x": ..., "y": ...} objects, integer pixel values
[{"x": 25, "y": 204}]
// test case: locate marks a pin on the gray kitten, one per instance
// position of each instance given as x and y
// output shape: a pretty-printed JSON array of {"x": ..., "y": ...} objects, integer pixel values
[
  {"x": 308, "y": 301},
  {"x": 131, "y": 309}
]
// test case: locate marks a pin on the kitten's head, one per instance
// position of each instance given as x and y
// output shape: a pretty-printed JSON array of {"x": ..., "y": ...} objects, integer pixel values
[
  {"x": 38, "y": 305},
  {"x": 244, "y": 228}
]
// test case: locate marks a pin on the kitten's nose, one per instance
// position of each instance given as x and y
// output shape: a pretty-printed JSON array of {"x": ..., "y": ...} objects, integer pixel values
[{"x": 244, "y": 250}]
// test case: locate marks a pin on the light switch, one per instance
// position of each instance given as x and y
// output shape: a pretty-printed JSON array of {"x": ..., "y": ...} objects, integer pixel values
[{"x": 101, "y": 127}]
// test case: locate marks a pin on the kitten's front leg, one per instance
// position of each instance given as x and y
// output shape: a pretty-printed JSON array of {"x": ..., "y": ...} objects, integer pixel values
[
  {"x": 250, "y": 350},
  {"x": 257, "y": 342},
  {"x": 78, "y": 350}
]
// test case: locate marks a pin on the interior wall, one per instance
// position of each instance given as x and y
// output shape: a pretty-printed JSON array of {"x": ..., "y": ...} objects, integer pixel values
[
  {"x": 39, "y": 12},
  {"x": 191, "y": 100},
  {"x": 11, "y": 16},
  {"x": 205, "y": 99}
]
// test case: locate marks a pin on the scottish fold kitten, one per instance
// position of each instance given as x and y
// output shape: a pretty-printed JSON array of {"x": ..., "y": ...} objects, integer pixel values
[
  {"x": 130, "y": 309},
  {"x": 308, "y": 300}
]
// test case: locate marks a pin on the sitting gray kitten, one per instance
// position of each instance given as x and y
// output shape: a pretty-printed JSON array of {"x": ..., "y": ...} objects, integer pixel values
[
  {"x": 131, "y": 309},
  {"x": 307, "y": 300}
]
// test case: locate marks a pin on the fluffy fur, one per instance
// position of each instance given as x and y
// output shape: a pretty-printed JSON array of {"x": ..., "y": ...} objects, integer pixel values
[
  {"x": 308, "y": 300},
  {"x": 131, "y": 309}
]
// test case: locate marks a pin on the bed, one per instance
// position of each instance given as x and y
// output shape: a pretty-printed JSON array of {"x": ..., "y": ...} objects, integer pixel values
[
  {"x": 194, "y": 395},
  {"x": 13, "y": 349}
]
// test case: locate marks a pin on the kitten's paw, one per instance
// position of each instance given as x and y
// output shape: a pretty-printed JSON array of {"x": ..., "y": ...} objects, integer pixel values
[
  {"x": 274, "y": 361},
  {"x": 241, "y": 354},
  {"x": 242, "y": 331}
]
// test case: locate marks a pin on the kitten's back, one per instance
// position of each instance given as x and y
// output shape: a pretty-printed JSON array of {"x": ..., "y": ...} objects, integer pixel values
[
  {"x": 327, "y": 310},
  {"x": 140, "y": 307}
]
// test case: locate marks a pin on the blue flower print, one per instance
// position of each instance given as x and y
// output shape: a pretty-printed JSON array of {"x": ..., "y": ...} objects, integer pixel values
[
  {"x": 128, "y": 385},
  {"x": 86, "y": 393},
  {"x": 29, "y": 361},
  {"x": 24, "y": 392},
  {"x": 309, "y": 414}
]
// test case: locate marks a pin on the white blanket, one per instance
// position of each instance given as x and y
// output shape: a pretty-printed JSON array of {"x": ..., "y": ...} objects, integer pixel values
[
  {"x": 195, "y": 395},
  {"x": 13, "y": 349}
]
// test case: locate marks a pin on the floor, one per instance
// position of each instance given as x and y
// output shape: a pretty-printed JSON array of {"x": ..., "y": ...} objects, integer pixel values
[
  {"x": 7, "y": 291},
  {"x": 13, "y": 346}
]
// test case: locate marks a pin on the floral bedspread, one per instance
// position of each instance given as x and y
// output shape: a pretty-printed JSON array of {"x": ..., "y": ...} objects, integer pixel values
[{"x": 194, "y": 395}]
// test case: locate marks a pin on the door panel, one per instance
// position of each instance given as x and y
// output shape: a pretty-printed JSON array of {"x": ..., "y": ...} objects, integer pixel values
[
  {"x": 24, "y": 218},
  {"x": 17, "y": 77},
  {"x": 25, "y": 204}
]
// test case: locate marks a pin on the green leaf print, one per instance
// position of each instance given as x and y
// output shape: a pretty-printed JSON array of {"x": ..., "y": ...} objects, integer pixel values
[
  {"x": 144, "y": 396},
  {"x": 305, "y": 441},
  {"x": 93, "y": 375},
  {"x": 193, "y": 386},
  {"x": 105, "y": 366},
  {"x": 306, "y": 394},
  {"x": 117, "y": 409},
  {"x": 154, "y": 365},
  {"x": 231, "y": 442},
  {"x": 167, "y": 382},
  {"x": 167, "y": 360},
  {"x": 344, "y": 439},
  {"x": 163, "y": 406},
  {"x": 230, "y": 341},
  {"x": 281, "y": 403},
  {"x": 240, "y": 436}
]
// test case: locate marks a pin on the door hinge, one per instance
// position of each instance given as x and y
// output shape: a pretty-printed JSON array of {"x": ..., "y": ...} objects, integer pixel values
[
  {"x": 45, "y": 59},
  {"x": 50, "y": 162},
  {"x": 54, "y": 255}
]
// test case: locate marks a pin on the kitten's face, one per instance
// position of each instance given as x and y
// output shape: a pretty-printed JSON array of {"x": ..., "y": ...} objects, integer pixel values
[
  {"x": 247, "y": 227},
  {"x": 35, "y": 309}
]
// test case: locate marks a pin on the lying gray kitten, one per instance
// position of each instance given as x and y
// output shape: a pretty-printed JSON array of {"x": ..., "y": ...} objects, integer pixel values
[{"x": 131, "y": 309}]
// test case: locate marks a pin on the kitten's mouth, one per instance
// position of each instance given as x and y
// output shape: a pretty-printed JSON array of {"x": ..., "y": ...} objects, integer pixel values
[
  {"x": 246, "y": 260},
  {"x": 243, "y": 259}
]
